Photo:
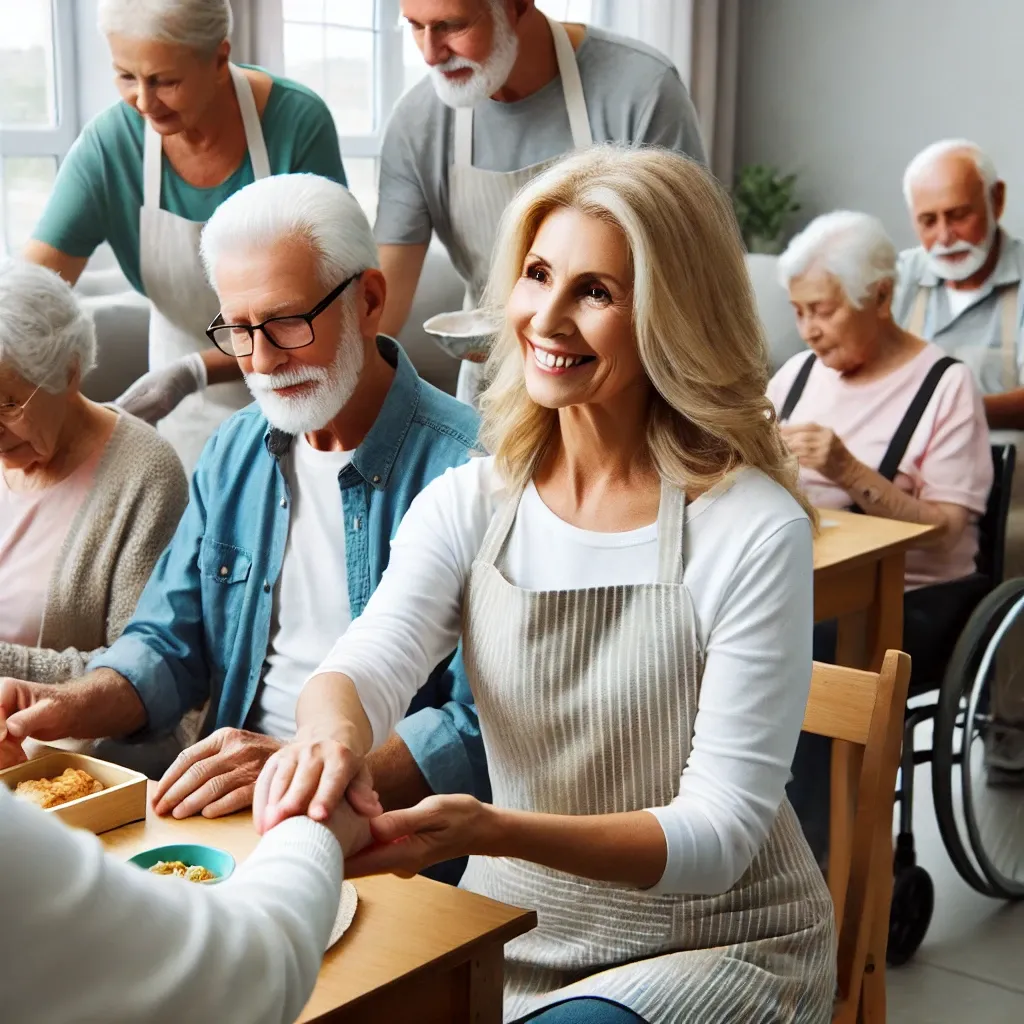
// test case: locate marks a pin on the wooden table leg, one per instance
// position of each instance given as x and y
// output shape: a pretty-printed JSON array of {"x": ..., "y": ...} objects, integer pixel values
[
  {"x": 885, "y": 632},
  {"x": 486, "y": 975}
]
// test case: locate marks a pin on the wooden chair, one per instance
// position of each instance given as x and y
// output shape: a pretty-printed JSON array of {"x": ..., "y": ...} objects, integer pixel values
[{"x": 866, "y": 710}]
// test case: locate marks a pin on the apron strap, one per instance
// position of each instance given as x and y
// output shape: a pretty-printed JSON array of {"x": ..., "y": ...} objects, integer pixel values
[
  {"x": 498, "y": 531},
  {"x": 671, "y": 525},
  {"x": 572, "y": 86},
  {"x": 1008, "y": 336},
  {"x": 254, "y": 140},
  {"x": 572, "y": 90},
  {"x": 796, "y": 389},
  {"x": 915, "y": 325},
  {"x": 152, "y": 165}
]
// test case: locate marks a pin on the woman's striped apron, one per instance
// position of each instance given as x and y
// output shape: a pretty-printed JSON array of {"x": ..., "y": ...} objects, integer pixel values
[{"x": 587, "y": 701}]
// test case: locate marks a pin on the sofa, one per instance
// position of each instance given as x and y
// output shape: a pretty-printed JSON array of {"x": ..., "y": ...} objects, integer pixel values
[{"x": 122, "y": 316}]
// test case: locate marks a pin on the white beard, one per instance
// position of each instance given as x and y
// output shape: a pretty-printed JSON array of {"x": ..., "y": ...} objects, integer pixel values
[
  {"x": 487, "y": 78},
  {"x": 960, "y": 270},
  {"x": 335, "y": 384}
]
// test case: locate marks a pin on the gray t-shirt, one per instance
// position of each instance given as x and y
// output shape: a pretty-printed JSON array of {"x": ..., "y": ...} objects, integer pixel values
[{"x": 634, "y": 94}]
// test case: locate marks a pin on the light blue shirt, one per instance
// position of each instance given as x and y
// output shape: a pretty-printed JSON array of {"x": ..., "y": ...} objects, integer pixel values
[
  {"x": 202, "y": 626},
  {"x": 975, "y": 335}
]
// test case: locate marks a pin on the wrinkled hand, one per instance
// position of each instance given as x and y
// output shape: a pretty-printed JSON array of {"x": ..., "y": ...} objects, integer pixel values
[
  {"x": 215, "y": 776},
  {"x": 41, "y": 711},
  {"x": 436, "y": 829},
  {"x": 350, "y": 828},
  {"x": 312, "y": 776},
  {"x": 157, "y": 393},
  {"x": 820, "y": 449}
]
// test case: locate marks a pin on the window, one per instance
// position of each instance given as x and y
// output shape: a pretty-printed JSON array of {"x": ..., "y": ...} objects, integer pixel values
[
  {"x": 360, "y": 57},
  {"x": 38, "y": 121}
]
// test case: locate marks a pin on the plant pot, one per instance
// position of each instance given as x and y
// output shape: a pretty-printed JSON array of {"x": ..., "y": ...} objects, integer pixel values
[{"x": 765, "y": 246}]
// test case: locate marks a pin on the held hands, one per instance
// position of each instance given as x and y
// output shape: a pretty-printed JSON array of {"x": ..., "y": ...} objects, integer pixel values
[
  {"x": 312, "y": 776},
  {"x": 436, "y": 829},
  {"x": 157, "y": 393},
  {"x": 215, "y": 776},
  {"x": 820, "y": 449}
]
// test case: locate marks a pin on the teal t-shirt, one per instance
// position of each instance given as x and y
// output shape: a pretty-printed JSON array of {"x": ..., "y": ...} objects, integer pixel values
[{"x": 98, "y": 192}]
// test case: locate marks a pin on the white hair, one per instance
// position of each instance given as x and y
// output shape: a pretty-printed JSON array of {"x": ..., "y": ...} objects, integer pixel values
[
  {"x": 44, "y": 332},
  {"x": 930, "y": 154},
  {"x": 198, "y": 24},
  {"x": 294, "y": 206},
  {"x": 853, "y": 247}
]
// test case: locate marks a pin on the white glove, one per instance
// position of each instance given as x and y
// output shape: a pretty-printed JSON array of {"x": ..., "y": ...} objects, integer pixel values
[{"x": 157, "y": 393}]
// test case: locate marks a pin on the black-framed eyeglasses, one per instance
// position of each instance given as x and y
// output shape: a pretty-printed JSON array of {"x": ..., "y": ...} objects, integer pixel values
[{"x": 284, "y": 332}]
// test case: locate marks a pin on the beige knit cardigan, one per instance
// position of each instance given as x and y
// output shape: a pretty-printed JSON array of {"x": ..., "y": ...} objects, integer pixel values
[{"x": 123, "y": 526}]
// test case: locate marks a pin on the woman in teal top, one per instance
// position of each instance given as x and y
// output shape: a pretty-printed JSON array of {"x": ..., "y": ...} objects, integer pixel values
[{"x": 147, "y": 173}]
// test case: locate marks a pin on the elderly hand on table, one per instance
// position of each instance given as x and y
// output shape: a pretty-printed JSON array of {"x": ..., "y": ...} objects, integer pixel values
[
  {"x": 820, "y": 449},
  {"x": 215, "y": 776}
]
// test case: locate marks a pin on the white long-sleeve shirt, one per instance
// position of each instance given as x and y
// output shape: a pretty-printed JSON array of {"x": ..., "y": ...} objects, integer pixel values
[
  {"x": 88, "y": 938},
  {"x": 749, "y": 572}
]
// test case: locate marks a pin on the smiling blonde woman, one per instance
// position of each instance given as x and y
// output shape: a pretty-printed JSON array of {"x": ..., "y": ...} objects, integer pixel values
[{"x": 631, "y": 573}]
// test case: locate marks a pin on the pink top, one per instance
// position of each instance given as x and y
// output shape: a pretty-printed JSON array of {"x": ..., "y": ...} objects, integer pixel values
[
  {"x": 33, "y": 527},
  {"x": 948, "y": 458}
]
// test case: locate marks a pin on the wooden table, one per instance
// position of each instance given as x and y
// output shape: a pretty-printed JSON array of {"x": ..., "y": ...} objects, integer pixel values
[
  {"x": 858, "y": 580},
  {"x": 413, "y": 943}
]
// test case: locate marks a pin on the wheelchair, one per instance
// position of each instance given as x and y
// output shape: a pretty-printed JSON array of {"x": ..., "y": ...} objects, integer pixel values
[{"x": 976, "y": 818}]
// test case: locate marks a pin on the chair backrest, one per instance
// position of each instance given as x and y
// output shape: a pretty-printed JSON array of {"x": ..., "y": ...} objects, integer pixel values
[
  {"x": 865, "y": 709},
  {"x": 992, "y": 525}
]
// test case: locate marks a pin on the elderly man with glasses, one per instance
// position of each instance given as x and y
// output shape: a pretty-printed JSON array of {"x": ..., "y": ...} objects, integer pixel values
[{"x": 293, "y": 506}]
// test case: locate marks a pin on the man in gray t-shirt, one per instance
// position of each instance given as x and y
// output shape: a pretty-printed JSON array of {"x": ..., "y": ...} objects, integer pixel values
[{"x": 501, "y": 60}]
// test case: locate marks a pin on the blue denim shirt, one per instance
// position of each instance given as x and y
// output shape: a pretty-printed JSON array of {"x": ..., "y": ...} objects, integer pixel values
[{"x": 202, "y": 625}]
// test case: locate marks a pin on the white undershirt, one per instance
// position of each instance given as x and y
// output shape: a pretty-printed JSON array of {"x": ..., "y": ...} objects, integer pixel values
[
  {"x": 89, "y": 938},
  {"x": 749, "y": 573},
  {"x": 960, "y": 298},
  {"x": 311, "y": 605}
]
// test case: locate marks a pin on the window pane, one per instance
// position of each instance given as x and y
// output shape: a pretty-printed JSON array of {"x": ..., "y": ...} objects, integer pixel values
[
  {"x": 415, "y": 65},
  {"x": 26, "y": 183},
  {"x": 362, "y": 182},
  {"x": 351, "y": 13},
  {"x": 567, "y": 10},
  {"x": 27, "y": 81},
  {"x": 337, "y": 63},
  {"x": 303, "y": 10}
]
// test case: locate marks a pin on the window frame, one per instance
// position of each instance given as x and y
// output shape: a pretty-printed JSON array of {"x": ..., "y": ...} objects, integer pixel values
[{"x": 55, "y": 140}]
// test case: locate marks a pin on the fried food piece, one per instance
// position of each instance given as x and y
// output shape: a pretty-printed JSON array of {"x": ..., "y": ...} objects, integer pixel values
[
  {"x": 71, "y": 784},
  {"x": 195, "y": 873}
]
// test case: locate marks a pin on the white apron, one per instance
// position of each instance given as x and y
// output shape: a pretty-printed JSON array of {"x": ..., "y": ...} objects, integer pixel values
[
  {"x": 587, "y": 701},
  {"x": 477, "y": 198},
  {"x": 183, "y": 303}
]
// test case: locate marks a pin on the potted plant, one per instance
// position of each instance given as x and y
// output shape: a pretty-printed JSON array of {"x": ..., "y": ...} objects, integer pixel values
[{"x": 763, "y": 200}]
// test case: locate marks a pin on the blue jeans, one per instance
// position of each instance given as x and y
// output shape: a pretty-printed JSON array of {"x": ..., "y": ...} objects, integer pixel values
[{"x": 587, "y": 1010}]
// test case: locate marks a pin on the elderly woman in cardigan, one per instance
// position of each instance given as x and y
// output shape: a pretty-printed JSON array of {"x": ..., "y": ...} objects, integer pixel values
[
  {"x": 89, "y": 496},
  {"x": 631, "y": 574}
]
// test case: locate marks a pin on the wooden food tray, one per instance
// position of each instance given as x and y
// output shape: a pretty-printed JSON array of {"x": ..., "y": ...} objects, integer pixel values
[{"x": 122, "y": 799}]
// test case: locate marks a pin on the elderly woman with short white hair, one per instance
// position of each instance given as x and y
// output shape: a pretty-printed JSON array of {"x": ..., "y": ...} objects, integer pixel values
[
  {"x": 89, "y": 496},
  {"x": 191, "y": 129},
  {"x": 885, "y": 423}
]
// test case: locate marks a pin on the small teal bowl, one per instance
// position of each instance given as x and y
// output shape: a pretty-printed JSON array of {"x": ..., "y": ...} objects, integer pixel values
[{"x": 220, "y": 862}]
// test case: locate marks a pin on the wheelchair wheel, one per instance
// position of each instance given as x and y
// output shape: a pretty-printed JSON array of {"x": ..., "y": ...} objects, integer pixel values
[
  {"x": 913, "y": 900},
  {"x": 980, "y": 805}
]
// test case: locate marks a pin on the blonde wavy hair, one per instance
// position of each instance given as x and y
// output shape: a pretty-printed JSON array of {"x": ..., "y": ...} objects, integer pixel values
[{"x": 696, "y": 326}]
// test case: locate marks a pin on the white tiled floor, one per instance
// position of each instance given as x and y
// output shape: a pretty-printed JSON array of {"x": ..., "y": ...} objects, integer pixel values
[{"x": 970, "y": 969}]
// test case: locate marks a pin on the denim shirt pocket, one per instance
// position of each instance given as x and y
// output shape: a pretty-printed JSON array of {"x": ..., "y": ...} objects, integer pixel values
[{"x": 224, "y": 571}]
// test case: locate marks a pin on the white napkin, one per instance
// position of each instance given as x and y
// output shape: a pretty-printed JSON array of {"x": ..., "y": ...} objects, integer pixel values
[{"x": 346, "y": 911}]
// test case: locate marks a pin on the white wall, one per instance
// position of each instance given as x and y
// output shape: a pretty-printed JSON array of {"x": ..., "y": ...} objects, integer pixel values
[{"x": 845, "y": 92}]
